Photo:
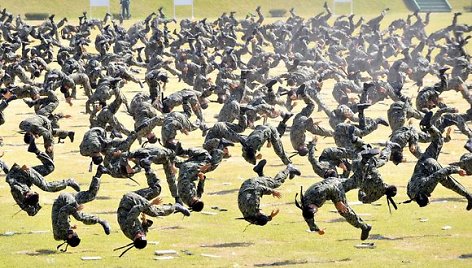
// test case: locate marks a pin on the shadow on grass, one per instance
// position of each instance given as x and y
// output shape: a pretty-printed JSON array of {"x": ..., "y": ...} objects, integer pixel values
[
  {"x": 171, "y": 228},
  {"x": 465, "y": 256},
  {"x": 295, "y": 262},
  {"x": 229, "y": 245},
  {"x": 381, "y": 237},
  {"x": 448, "y": 199},
  {"x": 224, "y": 192},
  {"x": 39, "y": 252}
]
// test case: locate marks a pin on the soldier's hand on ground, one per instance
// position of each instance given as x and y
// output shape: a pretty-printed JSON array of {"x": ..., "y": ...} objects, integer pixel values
[
  {"x": 156, "y": 201},
  {"x": 276, "y": 194},
  {"x": 462, "y": 173},
  {"x": 67, "y": 116},
  {"x": 274, "y": 213},
  {"x": 69, "y": 101},
  {"x": 80, "y": 207},
  {"x": 321, "y": 231}
]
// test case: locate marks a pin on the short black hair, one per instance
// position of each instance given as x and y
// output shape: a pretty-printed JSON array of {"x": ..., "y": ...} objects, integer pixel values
[
  {"x": 197, "y": 206},
  {"x": 74, "y": 240},
  {"x": 330, "y": 173},
  {"x": 422, "y": 199},
  {"x": 308, "y": 213},
  {"x": 396, "y": 156},
  {"x": 260, "y": 219},
  {"x": 28, "y": 138},
  {"x": 303, "y": 151},
  {"x": 152, "y": 139},
  {"x": 140, "y": 242},
  {"x": 32, "y": 199},
  {"x": 97, "y": 159},
  {"x": 249, "y": 154},
  {"x": 391, "y": 191}
]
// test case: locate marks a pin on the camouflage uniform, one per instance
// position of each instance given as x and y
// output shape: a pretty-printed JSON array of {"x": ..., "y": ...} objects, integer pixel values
[
  {"x": 260, "y": 135},
  {"x": 131, "y": 206},
  {"x": 190, "y": 100},
  {"x": 67, "y": 205},
  {"x": 229, "y": 131},
  {"x": 302, "y": 122},
  {"x": 428, "y": 172},
  {"x": 410, "y": 136},
  {"x": 20, "y": 181},
  {"x": 230, "y": 109},
  {"x": 152, "y": 79},
  {"x": 175, "y": 121},
  {"x": 146, "y": 116},
  {"x": 160, "y": 156},
  {"x": 41, "y": 126},
  {"x": 188, "y": 173},
  {"x": 333, "y": 189},
  {"x": 106, "y": 117},
  {"x": 83, "y": 80},
  {"x": 94, "y": 141},
  {"x": 329, "y": 159},
  {"x": 399, "y": 112},
  {"x": 103, "y": 92},
  {"x": 252, "y": 190}
]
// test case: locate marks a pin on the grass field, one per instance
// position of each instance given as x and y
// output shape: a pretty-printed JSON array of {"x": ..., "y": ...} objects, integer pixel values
[
  {"x": 401, "y": 239},
  {"x": 208, "y": 8}
]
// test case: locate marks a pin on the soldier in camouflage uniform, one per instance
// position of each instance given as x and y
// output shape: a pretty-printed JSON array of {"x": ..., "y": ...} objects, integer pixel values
[
  {"x": 22, "y": 178},
  {"x": 399, "y": 112},
  {"x": 255, "y": 141},
  {"x": 333, "y": 189},
  {"x": 367, "y": 176},
  {"x": 154, "y": 78},
  {"x": 252, "y": 190},
  {"x": 41, "y": 126},
  {"x": 158, "y": 156},
  {"x": 302, "y": 122},
  {"x": 330, "y": 159},
  {"x": 103, "y": 92},
  {"x": 83, "y": 80},
  {"x": 7, "y": 97},
  {"x": 57, "y": 79},
  {"x": 200, "y": 162},
  {"x": 106, "y": 118},
  {"x": 404, "y": 136},
  {"x": 190, "y": 99},
  {"x": 132, "y": 205},
  {"x": 230, "y": 109},
  {"x": 428, "y": 97},
  {"x": 174, "y": 121},
  {"x": 228, "y": 131},
  {"x": 146, "y": 117},
  {"x": 67, "y": 205},
  {"x": 428, "y": 172},
  {"x": 94, "y": 144}
]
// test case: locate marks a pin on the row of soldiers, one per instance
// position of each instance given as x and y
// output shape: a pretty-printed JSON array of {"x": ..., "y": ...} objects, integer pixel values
[{"x": 231, "y": 62}]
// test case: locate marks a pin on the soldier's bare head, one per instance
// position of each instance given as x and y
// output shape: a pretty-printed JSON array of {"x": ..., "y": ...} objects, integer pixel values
[{"x": 140, "y": 240}]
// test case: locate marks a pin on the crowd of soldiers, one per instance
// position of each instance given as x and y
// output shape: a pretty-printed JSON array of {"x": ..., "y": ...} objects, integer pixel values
[{"x": 231, "y": 62}]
